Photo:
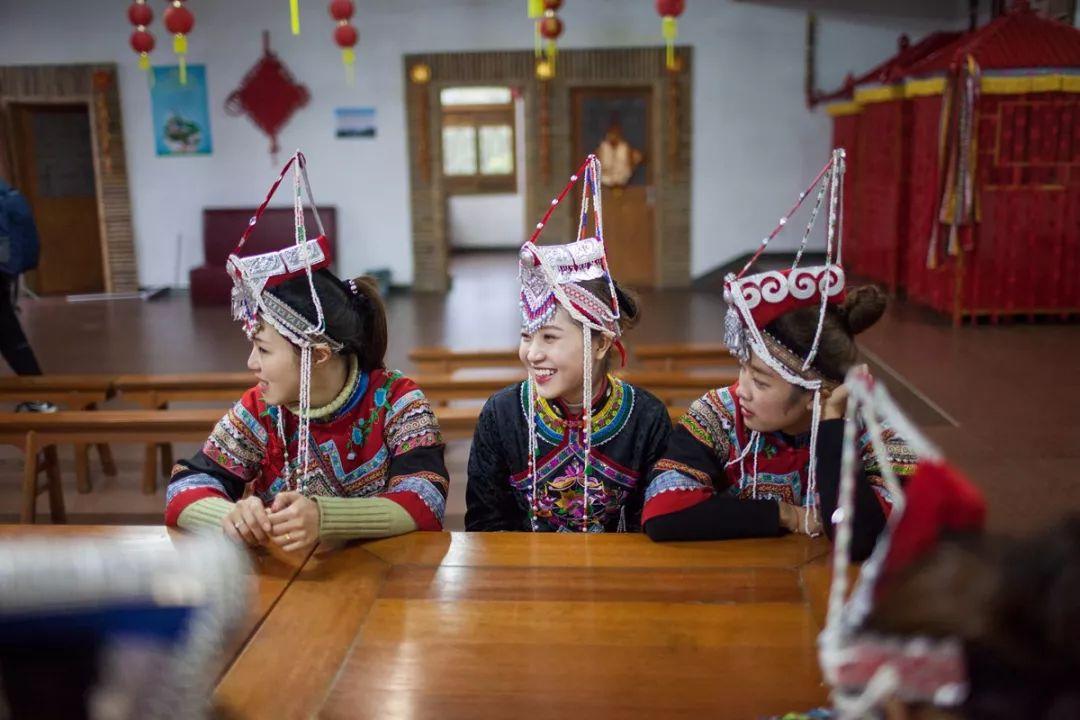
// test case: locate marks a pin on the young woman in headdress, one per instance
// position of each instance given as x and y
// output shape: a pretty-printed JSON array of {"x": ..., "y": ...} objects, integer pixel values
[
  {"x": 567, "y": 449},
  {"x": 330, "y": 443},
  {"x": 761, "y": 457}
]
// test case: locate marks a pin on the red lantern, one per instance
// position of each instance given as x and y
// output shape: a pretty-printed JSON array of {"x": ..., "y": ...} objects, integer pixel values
[
  {"x": 179, "y": 21},
  {"x": 140, "y": 15},
  {"x": 142, "y": 42},
  {"x": 669, "y": 10},
  {"x": 345, "y": 34},
  {"x": 341, "y": 9},
  {"x": 551, "y": 28}
]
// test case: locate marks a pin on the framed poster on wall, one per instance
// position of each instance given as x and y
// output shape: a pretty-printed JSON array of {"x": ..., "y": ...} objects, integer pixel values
[{"x": 181, "y": 115}]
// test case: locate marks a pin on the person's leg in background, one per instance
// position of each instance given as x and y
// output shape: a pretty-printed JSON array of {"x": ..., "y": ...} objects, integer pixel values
[{"x": 13, "y": 343}]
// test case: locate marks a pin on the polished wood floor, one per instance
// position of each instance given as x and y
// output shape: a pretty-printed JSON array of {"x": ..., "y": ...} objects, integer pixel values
[{"x": 1002, "y": 401}]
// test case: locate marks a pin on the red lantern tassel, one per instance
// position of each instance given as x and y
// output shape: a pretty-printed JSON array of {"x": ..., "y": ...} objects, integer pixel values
[
  {"x": 552, "y": 52},
  {"x": 669, "y": 28},
  {"x": 348, "y": 59},
  {"x": 180, "y": 48},
  {"x": 294, "y": 16},
  {"x": 536, "y": 11}
]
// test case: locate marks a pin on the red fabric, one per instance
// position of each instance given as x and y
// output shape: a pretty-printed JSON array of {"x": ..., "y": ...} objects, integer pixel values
[
  {"x": 880, "y": 193},
  {"x": 669, "y": 502},
  {"x": 1026, "y": 247},
  {"x": 177, "y": 506},
  {"x": 767, "y": 282},
  {"x": 939, "y": 500},
  {"x": 420, "y": 513}
]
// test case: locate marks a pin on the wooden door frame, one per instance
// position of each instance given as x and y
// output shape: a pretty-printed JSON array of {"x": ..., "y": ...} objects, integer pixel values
[
  {"x": 93, "y": 85},
  {"x": 19, "y": 171},
  {"x": 425, "y": 75}
]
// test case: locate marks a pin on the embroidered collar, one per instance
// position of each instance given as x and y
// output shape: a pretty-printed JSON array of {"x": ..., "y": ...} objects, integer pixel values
[
  {"x": 611, "y": 409},
  {"x": 351, "y": 392}
]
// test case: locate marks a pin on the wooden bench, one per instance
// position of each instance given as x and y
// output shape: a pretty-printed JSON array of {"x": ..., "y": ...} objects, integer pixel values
[
  {"x": 678, "y": 356},
  {"x": 157, "y": 392},
  {"x": 673, "y": 356},
  {"x": 672, "y": 388},
  {"x": 74, "y": 392},
  {"x": 35, "y": 432},
  {"x": 459, "y": 423},
  {"x": 442, "y": 361}
]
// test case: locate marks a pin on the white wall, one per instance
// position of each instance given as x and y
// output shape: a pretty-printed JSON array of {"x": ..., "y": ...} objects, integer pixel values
[{"x": 754, "y": 144}]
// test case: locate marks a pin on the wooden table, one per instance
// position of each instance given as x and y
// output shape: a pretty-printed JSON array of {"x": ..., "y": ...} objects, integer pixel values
[{"x": 455, "y": 625}]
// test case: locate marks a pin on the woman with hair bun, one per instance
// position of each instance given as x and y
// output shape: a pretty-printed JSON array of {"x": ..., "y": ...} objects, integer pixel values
[
  {"x": 330, "y": 443},
  {"x": 762, "y": 457}
]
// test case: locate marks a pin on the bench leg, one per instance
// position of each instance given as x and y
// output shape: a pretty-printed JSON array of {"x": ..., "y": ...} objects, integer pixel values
[
  {"x": 149, "y": 479},
  {"x": 82, "y": 468},
  {"x": 56, "y": 490},
  {"x": 108, "y": 465},
  {"x": 166, "y": 460},
  {"x": 30, "y": 473}
]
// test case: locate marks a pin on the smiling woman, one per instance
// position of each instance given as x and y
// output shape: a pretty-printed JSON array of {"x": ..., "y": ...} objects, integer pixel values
[{"x": 568, "y": 449}]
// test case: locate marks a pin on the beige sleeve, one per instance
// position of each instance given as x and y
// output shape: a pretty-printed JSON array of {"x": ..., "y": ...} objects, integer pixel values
[
  {"x": 205, "y": 514},
  {"x": 348, "y": 518}
]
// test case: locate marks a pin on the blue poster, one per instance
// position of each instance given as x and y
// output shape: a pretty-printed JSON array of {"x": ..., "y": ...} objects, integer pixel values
[
  {"x": 180, "y": 112},
  {"x": 355, "y": 122}
]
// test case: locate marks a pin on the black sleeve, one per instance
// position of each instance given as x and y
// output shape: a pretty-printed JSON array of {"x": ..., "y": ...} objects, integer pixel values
[
  {"x": 721, "y": 517},
  {"x": 201, "y": 464},
  {"x": 489, "y": 504},
  {"x": 656, "y": 445},
  {"x": 869, "y": 517}
]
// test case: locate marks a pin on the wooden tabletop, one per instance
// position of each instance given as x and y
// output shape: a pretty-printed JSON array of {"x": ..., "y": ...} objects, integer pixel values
[{"x": 448, "y": 625}]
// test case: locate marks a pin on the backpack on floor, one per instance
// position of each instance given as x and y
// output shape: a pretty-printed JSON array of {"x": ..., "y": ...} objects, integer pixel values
[{"x": 19, "y": 246}]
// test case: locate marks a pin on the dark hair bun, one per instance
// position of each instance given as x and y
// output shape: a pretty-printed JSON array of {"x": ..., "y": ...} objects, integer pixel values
[
  {"x": 863, "y": 307},
  {"x": 628, "y": 307}
]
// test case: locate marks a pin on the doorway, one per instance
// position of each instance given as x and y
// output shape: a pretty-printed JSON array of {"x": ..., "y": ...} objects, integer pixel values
[
  {"x": 54, "y": 169},
  {"x": 615, "y": 123}
]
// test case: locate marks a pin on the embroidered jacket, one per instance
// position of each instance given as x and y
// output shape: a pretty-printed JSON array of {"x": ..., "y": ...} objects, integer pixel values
[
  {"x": 383, "y": 440},
  {"x": 695, "y": 469},
  {"x": 630, "y": 427}
]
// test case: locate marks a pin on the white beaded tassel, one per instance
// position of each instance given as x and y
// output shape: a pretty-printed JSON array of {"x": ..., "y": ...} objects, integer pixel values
[
  {"x": 531, "y": 413},
  {"x": 810, "y": 501},
  {"x": 586, "y": 417}
]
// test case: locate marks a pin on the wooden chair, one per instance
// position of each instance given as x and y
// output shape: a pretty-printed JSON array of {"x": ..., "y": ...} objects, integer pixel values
[
  {"x": 41, "y": 432},
  {"x": 74, "y": 392}
]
